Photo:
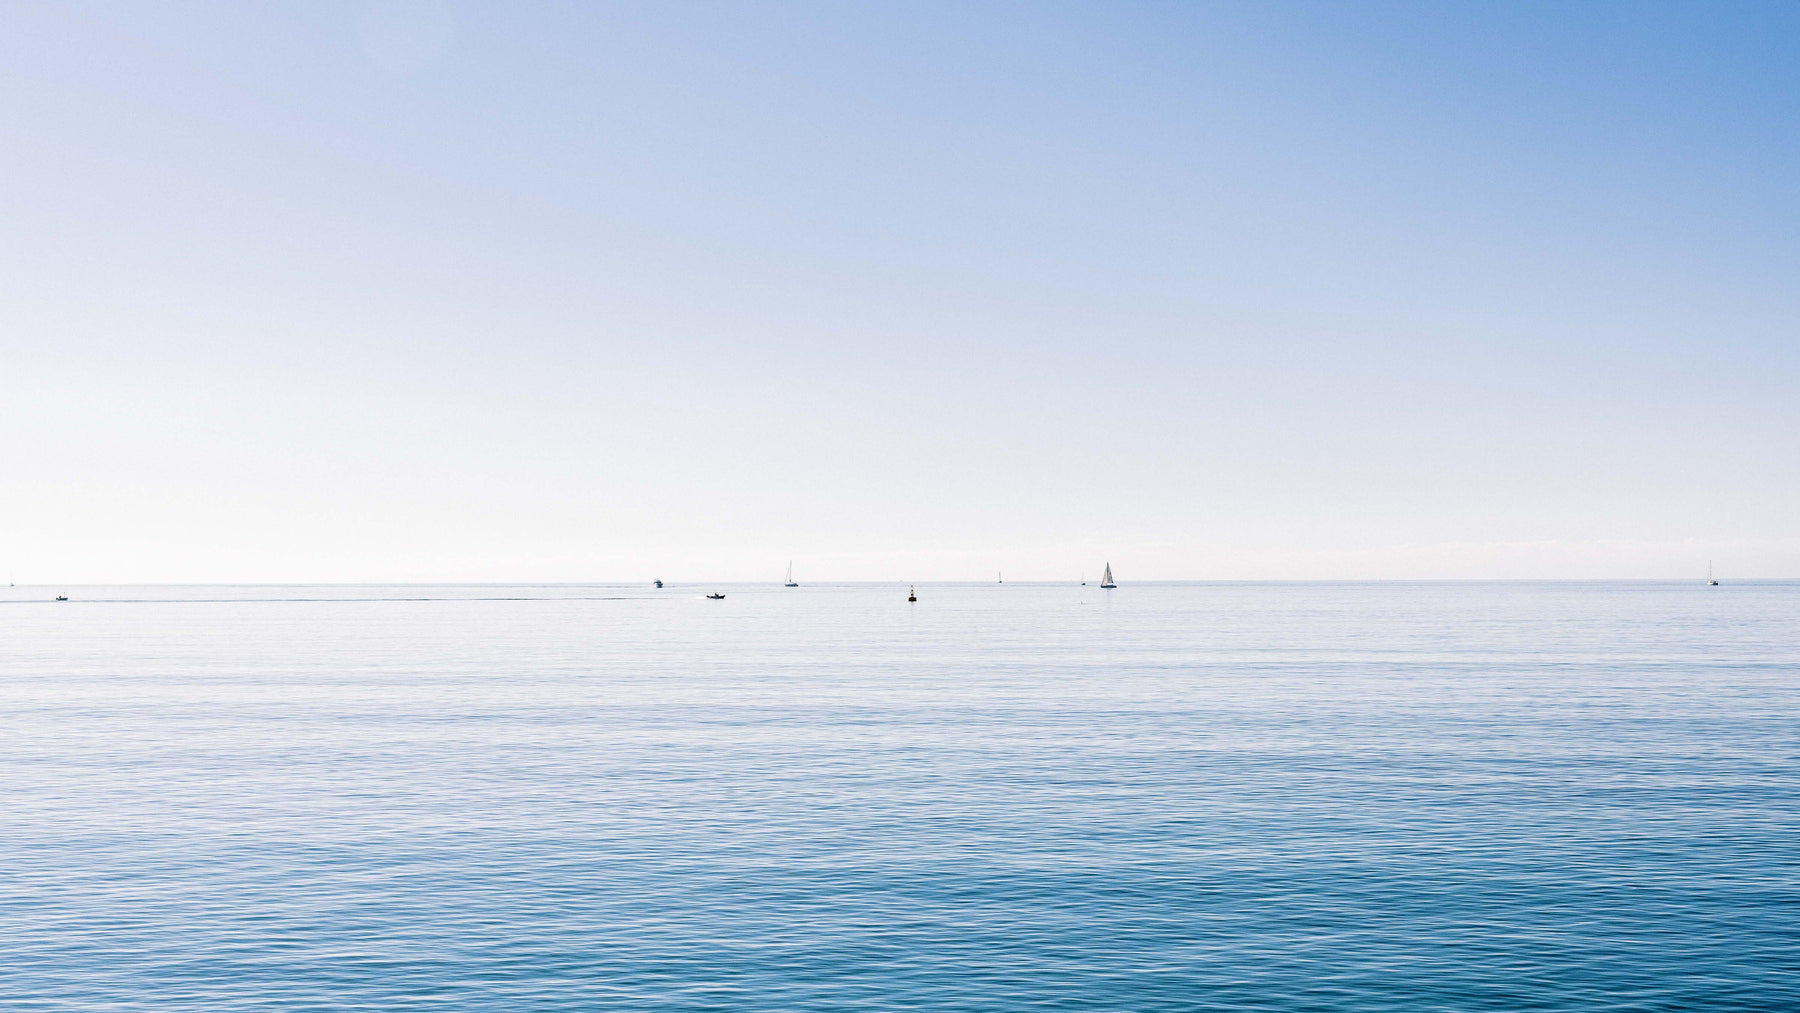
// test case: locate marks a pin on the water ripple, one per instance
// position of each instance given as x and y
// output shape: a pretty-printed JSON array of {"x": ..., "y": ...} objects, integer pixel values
[{"x": 1174, "y": 797}]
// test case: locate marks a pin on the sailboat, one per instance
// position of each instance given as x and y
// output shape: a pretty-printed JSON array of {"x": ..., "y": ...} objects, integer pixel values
[
  {"x": 790, "y": 577},
  {"x": 1709, "y": 576},
  {"x": 1106, "y": 578}
]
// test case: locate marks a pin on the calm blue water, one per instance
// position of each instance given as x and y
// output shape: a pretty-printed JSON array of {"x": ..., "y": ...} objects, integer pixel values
[{"x": 1167, "y": 797}]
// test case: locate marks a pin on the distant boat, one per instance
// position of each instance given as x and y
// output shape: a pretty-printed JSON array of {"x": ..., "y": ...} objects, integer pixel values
[
  {"x": 790, "y": 579},
  {"x": 912, "y": 594},
  {"x": 659, "y": 583},
  {"x": 62, "y": 597},
  {"x": 997, "y": 578},
  {"x": 715, "y": 595},
  {"x": 1709, "y": 576},
  {"x": 1106, "y": 578}
]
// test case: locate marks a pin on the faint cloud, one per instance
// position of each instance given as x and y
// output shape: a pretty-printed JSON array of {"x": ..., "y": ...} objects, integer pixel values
[{"x": 405, "y": 36}]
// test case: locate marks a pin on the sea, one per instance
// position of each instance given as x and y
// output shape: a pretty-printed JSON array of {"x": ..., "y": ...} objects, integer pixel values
[{"x": 1319, "y": 797}]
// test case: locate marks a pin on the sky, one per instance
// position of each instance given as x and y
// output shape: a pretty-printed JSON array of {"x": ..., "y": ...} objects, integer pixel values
[{"x": 455, "y": 291}]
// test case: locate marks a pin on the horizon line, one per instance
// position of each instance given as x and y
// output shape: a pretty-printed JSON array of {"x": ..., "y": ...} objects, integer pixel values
[{"x": 892, "y": 580}]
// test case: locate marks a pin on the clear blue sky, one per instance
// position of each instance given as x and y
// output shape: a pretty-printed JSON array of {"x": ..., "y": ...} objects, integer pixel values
[{"x": 582, "y": 291}]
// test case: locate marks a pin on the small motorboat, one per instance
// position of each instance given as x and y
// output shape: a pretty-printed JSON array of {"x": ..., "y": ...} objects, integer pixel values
[
  {"x": 62, "y": 597},
  {"x": 715, "y": 596}
]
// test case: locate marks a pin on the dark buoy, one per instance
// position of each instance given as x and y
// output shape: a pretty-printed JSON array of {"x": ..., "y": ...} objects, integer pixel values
[{"x": 912, "y": 595}]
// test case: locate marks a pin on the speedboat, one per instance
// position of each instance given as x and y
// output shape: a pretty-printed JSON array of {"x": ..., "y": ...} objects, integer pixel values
[{"x": 715, "y": 596}]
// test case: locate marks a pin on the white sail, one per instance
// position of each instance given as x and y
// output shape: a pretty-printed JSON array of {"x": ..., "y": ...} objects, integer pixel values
[{"x": 1106, "y": 578}]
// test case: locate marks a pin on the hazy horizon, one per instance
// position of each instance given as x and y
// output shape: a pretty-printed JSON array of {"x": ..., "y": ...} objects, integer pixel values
[
  {"x": 902, "y": 582},
  {"x": 439, "y": 291}
]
